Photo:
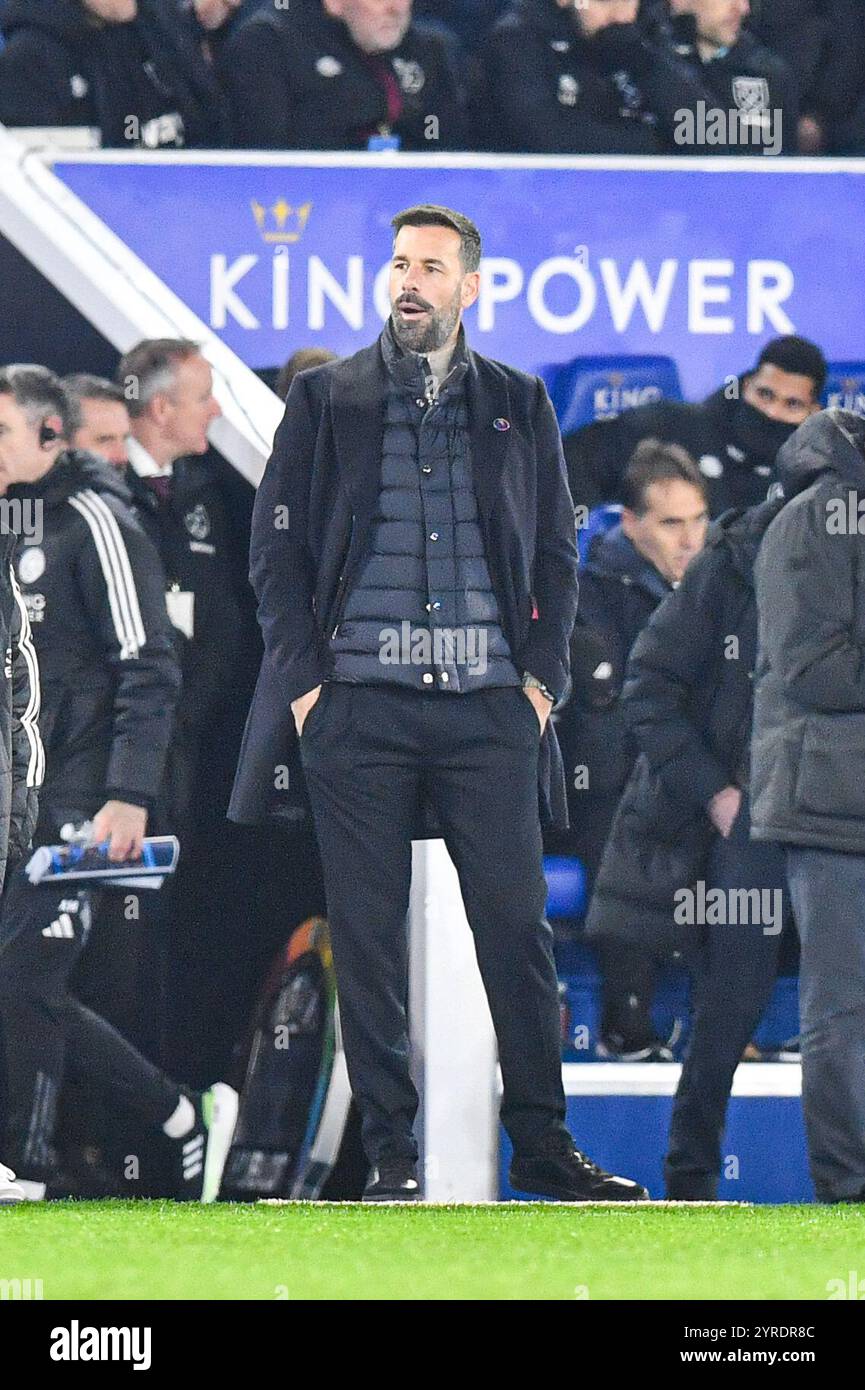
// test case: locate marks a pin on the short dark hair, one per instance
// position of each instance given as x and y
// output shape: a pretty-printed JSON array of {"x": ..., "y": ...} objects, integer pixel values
[
  {"x": 433, "y": 215},
  {"x": 654, "y": 461},
  {"x": 85, "y": 387},
  {"x": 151, "y": 366},
  {"x": 40, "y": 393},
  {"x": 301, "y": 361},
  {"x": 799, "y": 356}
]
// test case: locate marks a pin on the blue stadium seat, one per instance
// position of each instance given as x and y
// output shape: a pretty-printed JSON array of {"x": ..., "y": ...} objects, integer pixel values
[
  {"x": 845, "y": 387},
  {"x": 595, "y": 388},
  {"x": 601, "y": 519},
  {"x": 566, "y": 886}
]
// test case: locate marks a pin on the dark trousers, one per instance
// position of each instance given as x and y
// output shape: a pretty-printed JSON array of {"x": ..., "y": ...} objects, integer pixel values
[
  {"x": 828, "y": 892},
  {"x": 369, "y": 754},
  {"x": 733, "y": 970},
  {"x": 43, "y": 931}
]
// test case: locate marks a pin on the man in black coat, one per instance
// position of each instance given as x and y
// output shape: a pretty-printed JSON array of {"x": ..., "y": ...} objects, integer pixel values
[
  {"x": 414, "y": 557},
  {"x": 629, "y": 571},
  {"x": 823, "y": 44},
  {"x": 688, "y": 703},
  {"x": 134, "y": 68},
  {"x": 754, "y": 98},
  {"x": 734, "y": 435},
  {"x": 335, "y": 75},
  {"x": 589, "y": 79},
  {"x": 808, "y": 771}
]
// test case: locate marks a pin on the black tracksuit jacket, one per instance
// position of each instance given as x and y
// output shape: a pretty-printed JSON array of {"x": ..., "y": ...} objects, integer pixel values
[{"x": 93, "y": 590}]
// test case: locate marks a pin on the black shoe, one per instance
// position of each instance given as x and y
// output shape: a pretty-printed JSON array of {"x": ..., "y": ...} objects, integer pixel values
[
  {"x": 394, "y": 1180},
  {"x": 556, "y": 1169},
  {"x": 617, "y": 1049}
]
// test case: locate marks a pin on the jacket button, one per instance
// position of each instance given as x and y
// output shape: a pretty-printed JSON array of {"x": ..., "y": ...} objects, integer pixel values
[
  {"x": 445, "y": 677},
  {"x": 427, "y": 679},
  {"x": 426, "y": 468},
  {"x": 434, "y": 535},
  {"x": 420, "y": 401}
]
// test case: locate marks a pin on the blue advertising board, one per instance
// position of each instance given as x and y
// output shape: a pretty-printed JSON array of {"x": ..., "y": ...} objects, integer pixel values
[{"x": 700, "y": 263}]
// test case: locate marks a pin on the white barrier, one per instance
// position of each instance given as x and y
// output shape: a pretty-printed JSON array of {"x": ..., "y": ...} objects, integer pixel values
[
  {"x": 453, "y": 1044},
  {"x": 123, "y": 298}
]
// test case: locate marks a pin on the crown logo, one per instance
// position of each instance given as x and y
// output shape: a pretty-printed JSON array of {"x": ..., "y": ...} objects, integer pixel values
[{"x": 281, "y": 223}]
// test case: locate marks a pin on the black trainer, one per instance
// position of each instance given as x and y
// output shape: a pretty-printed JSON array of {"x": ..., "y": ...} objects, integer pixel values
[
  {"x": 394, "y": 1180},
  {"x": 556, "y": 1169}
]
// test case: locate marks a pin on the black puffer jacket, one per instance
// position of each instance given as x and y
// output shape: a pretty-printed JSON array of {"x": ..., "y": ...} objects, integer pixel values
[
  {"x": 22, "y": 759},
  {"x": 808, "y": 755},
  {"x": 144, "y": 83},
  {"x": 619, "y": 591},
  {"x": 687, "y": 701}
]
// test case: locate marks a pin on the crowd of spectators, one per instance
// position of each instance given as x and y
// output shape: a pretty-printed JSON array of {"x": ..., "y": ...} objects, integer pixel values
[{"x": 545, "y": 76}]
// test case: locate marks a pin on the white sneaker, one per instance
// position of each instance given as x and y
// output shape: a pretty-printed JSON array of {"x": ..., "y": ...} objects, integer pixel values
[{"x": 10, "y": 1191}]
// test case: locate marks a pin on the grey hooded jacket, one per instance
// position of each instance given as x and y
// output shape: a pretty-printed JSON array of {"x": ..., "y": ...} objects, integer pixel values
[{"x": 808, "y": 748}]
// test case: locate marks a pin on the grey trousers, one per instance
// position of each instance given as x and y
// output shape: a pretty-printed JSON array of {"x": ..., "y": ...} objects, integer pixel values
[{"x": 828, "y": 895}]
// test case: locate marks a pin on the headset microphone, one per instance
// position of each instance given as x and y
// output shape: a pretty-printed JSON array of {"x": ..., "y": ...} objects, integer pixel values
[{"x": 47, "y": 435}]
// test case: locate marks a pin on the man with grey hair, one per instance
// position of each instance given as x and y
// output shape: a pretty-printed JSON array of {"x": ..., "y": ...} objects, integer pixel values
[
  {"x": 180, "y": 498},
  {"x": 415, "y": 514},
  {"x": 344, "y": 75}
]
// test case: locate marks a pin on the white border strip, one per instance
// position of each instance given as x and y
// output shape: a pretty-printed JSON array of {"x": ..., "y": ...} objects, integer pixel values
[
  {"x": 754, "y": 1079},
  {"x": 327, "y": 159}
]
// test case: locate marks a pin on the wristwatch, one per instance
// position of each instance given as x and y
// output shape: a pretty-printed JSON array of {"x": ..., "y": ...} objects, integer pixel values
[{"x": 532, "y": 683}]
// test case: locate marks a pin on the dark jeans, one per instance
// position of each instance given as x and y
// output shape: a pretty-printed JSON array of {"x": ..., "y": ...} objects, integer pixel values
[
  {"x": 369, "y": 753},
  {"x": 733, "y": 969},
  {"x": 828, "y": 892},
  {"x": 43, "y": 931}
]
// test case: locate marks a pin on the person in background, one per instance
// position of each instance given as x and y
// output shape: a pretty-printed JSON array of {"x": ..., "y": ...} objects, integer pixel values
[
  {"x": 599, "y": 77},
  {"x": 109, "y": 683},
  {"x": 300, "y": 361},
  {"x": 132, "y": 68},
  {"x": 744, "y": 79},
  {"x": 734, "y": 434},
  {"x": 104, "y": 419},
  {"x": 344, "y": 75},
  {"x": 688, "y": 703},
  {"x": 630, "y": 570},
  {"x": 808, "y": 772},
  {"x": 823, "y": 44},
  {"x": 178, "y": 495}
]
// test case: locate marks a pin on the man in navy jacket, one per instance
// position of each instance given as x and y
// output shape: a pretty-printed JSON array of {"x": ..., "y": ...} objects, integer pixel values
[{"x": 413, "y": 554}]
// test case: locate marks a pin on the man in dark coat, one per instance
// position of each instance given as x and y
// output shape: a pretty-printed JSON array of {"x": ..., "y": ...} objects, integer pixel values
[
  {"x": 808, "y": 771},
  {"x": 414, "y": 557},
  {"x": 689, "y": 697},
  {"x": 753, "y": 92},
  {"x": 584, "y": 79},
  {"x": 133, "y": 68},
  {"x": 334, "y": 75},
  {"x": 629, "y": 571},
  {"x": 734, "y": 435}
]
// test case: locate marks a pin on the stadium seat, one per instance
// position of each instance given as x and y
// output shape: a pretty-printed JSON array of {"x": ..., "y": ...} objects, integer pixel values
[
  {"x": 845, "y": 387},
  {"x": 601, "y": 519},
  {"x": 596, "y": 388},
  {"x": 566, "y": 886}
]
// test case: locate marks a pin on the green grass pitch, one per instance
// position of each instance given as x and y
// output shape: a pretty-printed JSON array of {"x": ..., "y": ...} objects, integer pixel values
[{"x": 163, "y": 1250}]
